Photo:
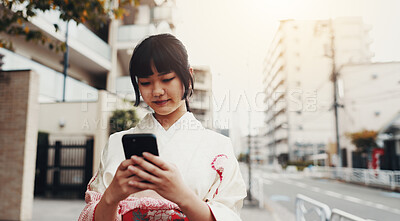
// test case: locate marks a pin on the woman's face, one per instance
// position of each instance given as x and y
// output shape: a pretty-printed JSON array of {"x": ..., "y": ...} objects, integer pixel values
[{"x": 163, "y": 92}]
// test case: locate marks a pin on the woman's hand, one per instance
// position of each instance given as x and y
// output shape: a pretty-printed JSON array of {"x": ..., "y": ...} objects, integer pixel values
[
  {"x": 163, "y": 177},
  {"x": 119, "y": 188},
  {"x": 166, "y": 180}
]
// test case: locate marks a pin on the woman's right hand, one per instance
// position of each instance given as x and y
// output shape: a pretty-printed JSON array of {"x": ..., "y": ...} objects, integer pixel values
[{"x": 119, "y": 188}]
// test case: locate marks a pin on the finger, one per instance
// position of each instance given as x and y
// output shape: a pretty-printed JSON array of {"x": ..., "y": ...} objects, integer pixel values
[
  {"x": 141, "y": 185},
  {"x": 147, "y": 166},
  {"x": 144, "y": 175},
  {"x": 156, "y": 160},
  {"x": 135, "y": 178},
  {"x": 124, "y": 164},
  {"x": 127, "y": 173}
]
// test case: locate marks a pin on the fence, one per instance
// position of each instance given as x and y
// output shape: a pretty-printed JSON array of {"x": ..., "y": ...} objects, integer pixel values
[
  {"x": 383, "y": 178},
  {"x": 310, "y": 209},
  {"x": 63, "y": 169}
]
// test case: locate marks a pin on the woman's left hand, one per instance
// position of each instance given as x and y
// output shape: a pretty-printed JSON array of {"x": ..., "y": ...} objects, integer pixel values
[{"x": 163, "y": 177}]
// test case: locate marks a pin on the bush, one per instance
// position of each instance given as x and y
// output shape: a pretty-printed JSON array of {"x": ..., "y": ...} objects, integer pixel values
[
  {"x": 299, "y": 164},
  {"x": 123, "y": 120}
]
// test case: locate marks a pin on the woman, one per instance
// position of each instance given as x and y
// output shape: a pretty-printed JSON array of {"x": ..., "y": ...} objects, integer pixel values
[{"x": 196, "y": 176}]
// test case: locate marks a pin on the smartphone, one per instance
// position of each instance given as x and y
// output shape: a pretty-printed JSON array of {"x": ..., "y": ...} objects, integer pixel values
[{"x": 136, "y": 144}]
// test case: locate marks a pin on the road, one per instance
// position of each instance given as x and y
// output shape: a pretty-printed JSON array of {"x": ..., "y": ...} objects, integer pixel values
[{"x": 280, "y": 193}]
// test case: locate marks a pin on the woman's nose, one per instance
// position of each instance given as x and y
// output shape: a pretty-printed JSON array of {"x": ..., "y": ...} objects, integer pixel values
[{"x": 158, "y": 90}]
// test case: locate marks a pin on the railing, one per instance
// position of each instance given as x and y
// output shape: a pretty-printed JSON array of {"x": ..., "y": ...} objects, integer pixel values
[
  {"x": 339, "y": 215},
  {"x": 310, "y": 209},
  {"x": 385, "y": 178}
]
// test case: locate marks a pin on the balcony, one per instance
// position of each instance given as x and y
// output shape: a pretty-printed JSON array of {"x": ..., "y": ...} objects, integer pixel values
[
  {"x": 132, "y": 34},
  {"x": 50, "y": 81},
  {"x": 87, "y": 50},
  {"x": 162, "y": 13}
]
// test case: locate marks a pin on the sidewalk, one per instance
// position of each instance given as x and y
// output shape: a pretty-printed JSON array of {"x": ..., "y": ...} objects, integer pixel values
[
  {"x": 69, "y": 210},
  {"x": 251, "y": 211}
]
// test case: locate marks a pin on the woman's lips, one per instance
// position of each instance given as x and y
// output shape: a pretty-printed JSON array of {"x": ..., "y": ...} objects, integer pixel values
[{"x": 161, "y": 102}]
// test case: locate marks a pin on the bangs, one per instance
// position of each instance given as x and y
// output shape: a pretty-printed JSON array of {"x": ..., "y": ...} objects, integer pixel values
[
  {"x": 164, "y": 60},
  {"x": 167, "y": 54}
]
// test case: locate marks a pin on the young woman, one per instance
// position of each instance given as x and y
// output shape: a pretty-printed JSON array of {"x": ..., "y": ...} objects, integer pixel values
[{"x": 196, "y": 176}]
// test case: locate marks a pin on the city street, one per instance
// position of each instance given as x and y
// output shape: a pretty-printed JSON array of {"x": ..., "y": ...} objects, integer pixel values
[{"x": 280, "y": 193}]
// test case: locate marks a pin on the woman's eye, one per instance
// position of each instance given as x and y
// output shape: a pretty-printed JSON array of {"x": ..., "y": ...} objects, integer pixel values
[
  {"x": 144, "y": 83},
  {"x": 168, "y": 79}
]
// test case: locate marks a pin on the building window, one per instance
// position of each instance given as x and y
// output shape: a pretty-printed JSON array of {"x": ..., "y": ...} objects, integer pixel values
[{"x": 199, "y": 77}]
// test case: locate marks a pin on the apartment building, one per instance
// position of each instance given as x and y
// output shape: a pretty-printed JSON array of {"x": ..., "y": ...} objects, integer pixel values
[
  {"x": 201, "y": 103},
  {"x": 297, "y": 82},
  {"x": 370, "y": 95},
  {"x": 97, "y": 62}
]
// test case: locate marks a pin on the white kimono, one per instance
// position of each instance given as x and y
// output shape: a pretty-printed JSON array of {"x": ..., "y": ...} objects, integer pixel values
[{"x": 204, "y": 158}]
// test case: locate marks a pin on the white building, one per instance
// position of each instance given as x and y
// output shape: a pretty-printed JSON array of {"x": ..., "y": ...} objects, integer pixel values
[
  {"x": 97, "y": 81},
  {"x": 370, "y": 94},
  {"x": 297, "y": 82},
  {"x": 201, "y": 101}
]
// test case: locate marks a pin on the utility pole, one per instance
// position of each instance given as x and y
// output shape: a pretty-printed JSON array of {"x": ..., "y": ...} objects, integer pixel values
[
  {"x": 334, "y": 77},
  {"x": 249, "y": 158},
  {"x": 65, "y": 61}
]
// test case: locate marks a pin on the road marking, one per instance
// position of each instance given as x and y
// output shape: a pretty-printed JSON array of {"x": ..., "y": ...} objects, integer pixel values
[
  {"x": 329, "y": 193},
  {"x": 302, "y": 185},
  {"x": 334, "y": 194},
  {"x": 353, "y": 199},
  {"x": 276, "y": 198},
  {"x": 315, "y": 189},
  {"x": 266, "y": 181},
  {"x": 368, "y": 203}
]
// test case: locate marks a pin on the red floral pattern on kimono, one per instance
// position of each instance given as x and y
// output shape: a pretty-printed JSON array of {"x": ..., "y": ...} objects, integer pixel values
[
  {"x": 154, "y": 215},
  {"x": 218, "y": 165}
]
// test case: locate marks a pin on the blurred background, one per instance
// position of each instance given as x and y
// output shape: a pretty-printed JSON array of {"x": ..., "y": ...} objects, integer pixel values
[{"x": 307, "y": 90}]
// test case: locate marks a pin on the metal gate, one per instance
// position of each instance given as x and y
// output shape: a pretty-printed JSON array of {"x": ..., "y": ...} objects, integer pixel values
[{"x": 63, "y": 169}]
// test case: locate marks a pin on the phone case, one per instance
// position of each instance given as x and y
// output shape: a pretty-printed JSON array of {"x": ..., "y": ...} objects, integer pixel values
[{"x": 136, "y": 144}]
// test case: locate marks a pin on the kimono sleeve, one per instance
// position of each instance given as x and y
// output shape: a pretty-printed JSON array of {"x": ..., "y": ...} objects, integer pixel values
[
  {"x": 226, "y": 195},
  {"x": 99, "y": 183}
]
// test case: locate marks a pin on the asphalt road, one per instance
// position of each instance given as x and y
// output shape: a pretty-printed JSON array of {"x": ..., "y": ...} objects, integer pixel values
[{"x": 280, "y": 192}]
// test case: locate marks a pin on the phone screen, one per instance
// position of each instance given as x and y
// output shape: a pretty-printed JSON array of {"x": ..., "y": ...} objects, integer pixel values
[{"x": 136, "y": 144}]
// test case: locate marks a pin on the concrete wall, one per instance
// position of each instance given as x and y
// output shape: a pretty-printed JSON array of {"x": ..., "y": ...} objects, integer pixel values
[
  {"x": 73, "y": 118},
  {"x": 81, "y": 120},
  {"x": 18, "y": 138}
]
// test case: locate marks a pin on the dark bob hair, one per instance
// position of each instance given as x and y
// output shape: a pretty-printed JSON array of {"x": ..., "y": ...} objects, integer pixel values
[{"x": 168, "y": 54}]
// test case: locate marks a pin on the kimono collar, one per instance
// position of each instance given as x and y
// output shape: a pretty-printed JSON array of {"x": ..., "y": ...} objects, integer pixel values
[{"x": 149, "y": 124}]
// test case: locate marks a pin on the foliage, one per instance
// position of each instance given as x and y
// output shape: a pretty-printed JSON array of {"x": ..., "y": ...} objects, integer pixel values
[
  {"x": 123, "y": 120},
  {"x": 243, "y": 157},
  {"x": 299, "y": 164},
  {"x": 14, "y": 15},
  {"x": 363, "y": 140}
]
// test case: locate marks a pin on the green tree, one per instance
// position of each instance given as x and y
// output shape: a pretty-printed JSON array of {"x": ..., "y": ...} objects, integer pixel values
[
  {"x": 364, "y": 140},
  {"x": 123, "y": 120},
  {"x": 15, "y": 14}
]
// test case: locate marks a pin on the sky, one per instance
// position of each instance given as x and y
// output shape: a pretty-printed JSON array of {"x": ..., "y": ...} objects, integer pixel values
[{"x": 233, "y": 36}]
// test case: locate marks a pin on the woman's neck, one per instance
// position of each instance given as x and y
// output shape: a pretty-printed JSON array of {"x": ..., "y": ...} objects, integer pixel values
[{"x": 168, "y": 120}]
